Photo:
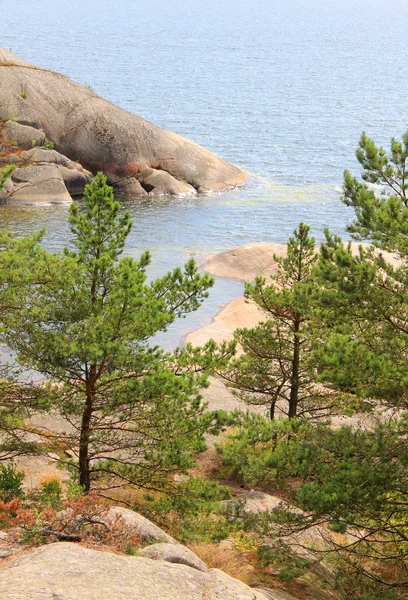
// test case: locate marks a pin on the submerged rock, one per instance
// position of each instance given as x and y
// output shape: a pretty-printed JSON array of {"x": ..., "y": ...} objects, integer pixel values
[{"x": 101, "y": 136}]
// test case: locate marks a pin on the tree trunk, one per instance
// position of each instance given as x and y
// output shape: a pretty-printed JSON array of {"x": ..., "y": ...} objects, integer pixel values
[
  {"x": 294, "y": 380},
  {"x": 272, "y": 411},
  {"x": 84, "y": 470}
]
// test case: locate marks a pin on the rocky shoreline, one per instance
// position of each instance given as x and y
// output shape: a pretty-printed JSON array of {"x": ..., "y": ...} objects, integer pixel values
[
  {"x": 245, "y": 263},
  {"x": 41, "y": 110}
]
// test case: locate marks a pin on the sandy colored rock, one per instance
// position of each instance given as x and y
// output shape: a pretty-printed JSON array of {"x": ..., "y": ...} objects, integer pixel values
[
  {"x": 238, "y": 314},
  {"x": 65, "y": 571},
  {"x": 145, "y": 529},
  {"x": 24, "y": 135},
  {"x": 174, "y": 553},
  {"x": 246, "y": 262},
  {"x": 257, "y": 259},
  {"x": 224, "y": 587},
  {"x": 102, "y": 136},
  {"x": 36, "y": 184},
  {"x": 256, "y": 502},
  {"x": 159, "y": 182},
  {"x": 275, "y": 594}
]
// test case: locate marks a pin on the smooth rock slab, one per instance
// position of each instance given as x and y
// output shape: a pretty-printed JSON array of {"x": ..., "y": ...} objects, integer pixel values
[
  {"x": 24, "y": 135},
  {"x": 247, "y": 262},
  {"x": 102, "y": 136},
  {"x": 145, "y": 529},
  {"x": 174, "y": 553},
  {"x": 224, "y": 587},
  {"x": 65, "y": 571},
  {"x": 157, "y": 183},
  {"x": 35, "y": 184}
]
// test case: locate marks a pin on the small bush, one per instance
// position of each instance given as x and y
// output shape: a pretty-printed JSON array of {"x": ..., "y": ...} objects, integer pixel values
[
  {"x": 288, "y": 565},
  {"x": 193, "y": 513},
  {"x": 11, "y": 482},
  {"x": 51, "y": 492}
]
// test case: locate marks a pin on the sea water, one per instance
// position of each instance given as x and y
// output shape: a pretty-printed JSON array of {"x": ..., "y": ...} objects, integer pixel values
[{"x": 281, "y": 89}]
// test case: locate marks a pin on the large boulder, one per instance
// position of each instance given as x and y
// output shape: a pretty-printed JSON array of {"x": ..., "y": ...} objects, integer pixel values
[
  {"x": 145, "y": 529},
  {"x": 38, "y": 184},
  {"x": 65, "y": 571},
  {"x": 174, "y": 553},
  {"x": 23, "y": 135},
  {"x": 101, "y": 136},
  {"x": 42, "y": 175}
]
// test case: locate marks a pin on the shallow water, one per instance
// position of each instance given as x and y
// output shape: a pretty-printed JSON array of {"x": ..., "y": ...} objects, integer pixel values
[{"x": 283, "y": 90}]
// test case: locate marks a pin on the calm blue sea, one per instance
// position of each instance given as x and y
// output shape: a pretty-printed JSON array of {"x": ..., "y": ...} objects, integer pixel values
[{"x": 282, "y": 89}]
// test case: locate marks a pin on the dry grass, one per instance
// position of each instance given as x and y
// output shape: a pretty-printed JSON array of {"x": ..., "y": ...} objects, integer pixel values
[
  {"x": 51, "y": 476},
  {"x": 231, "y": 561}
]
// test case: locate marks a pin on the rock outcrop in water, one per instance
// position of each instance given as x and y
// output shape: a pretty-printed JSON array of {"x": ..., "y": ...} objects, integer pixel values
[{"x": 39, "y": 106}]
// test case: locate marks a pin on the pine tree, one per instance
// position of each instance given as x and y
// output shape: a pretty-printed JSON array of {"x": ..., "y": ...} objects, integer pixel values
[
  {"x": 276, "y": 367},
  {"x": 365, "y": 295},
  {"x": 357, "y": 478},
  {"x": 135, "y": 412}
]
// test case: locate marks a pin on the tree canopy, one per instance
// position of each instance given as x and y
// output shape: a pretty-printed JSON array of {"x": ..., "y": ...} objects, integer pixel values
[{"x": 134, "y": 412}]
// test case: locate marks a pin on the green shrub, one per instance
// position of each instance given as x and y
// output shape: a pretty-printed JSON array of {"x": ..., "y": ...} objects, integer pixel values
[
  {"x": 11, "y": 482},
  {"x": 51, "y": 493},
  {"x": 288, "y": 565},
  {"x": 193, "y": 513}
]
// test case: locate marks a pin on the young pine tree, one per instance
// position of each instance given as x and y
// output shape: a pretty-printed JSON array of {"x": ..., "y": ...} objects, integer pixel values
[
  {"x": 135, "y": 412},
  {"x": 276, "y": 368},
  {"x": 366, "y": 294},
  {"x": 358, "y": 478}
]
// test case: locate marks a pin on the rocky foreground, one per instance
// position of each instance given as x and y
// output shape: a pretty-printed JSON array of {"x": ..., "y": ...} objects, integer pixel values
[
  {"x": 43, "y": 109},
  {"x": 161, "y": 570}
]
